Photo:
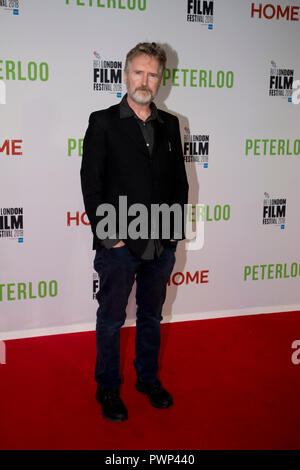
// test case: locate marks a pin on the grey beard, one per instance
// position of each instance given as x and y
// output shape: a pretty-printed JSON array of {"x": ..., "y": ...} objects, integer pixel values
[{"x": 141, "y": 99}]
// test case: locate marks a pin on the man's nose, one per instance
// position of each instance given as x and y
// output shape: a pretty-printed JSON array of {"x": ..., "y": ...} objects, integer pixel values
[{"x": 145, "y": 79}]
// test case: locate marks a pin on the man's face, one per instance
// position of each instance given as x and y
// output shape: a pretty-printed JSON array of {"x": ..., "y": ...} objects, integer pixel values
[{"x": 142, "y": 79}]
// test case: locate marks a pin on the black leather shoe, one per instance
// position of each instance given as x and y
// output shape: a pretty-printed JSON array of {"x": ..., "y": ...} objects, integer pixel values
[
  {"x": 113, "y": 409},
  {"x": 159, "y": 397}
]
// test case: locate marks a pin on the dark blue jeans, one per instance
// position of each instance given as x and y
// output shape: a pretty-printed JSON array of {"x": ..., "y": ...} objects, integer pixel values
[{"x": 118, "y": 268}]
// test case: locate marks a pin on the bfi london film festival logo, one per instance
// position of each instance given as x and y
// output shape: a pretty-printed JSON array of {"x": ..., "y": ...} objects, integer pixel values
[
  {"x": 195, "y": 148},
  {"x": 202, "y": 12},
  {"x": 107, "y": 75},
  {"x": 10, "y": 6},
  {"x": 12, "y": 223},
  {"x": 281, "y": 82},
  {"x": 274, "y": 211}
]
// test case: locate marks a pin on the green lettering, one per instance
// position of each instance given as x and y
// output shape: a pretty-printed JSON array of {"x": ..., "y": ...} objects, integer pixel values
[
  {"x": 10, "y": 68},
  {"x": 270, "y": 271},
  {"x": 174, "y": 77},
  {"x": 229, "y": 84},
  {"x": 10, "y": 292},
  {"x": 207, "y": 214},
  {"x": 226, "y": 212},
  {"x": 142, "y": 8},
  {"x": 265, "y": 145},
  {"x": 71, "y": 146},
  {"x": 263, "y": 270},
  {"x": 278, "y": 273},
  {"x": 44, "y": 71},
  {"x": 1, "y": 287},
  {"x": 281, "y": 147},
  {"x": 256, "y": 147},
  {"x": 184, "y": 75},
  {"x": 42, "y": 292},
  {"x": 272, "y": 147},
  {"x": 192, "y": 77},
  {"x": 247, "y": 272},
  {"x": 200, "y": 212},
  {"x": 210, "y": 80},
  {"x": 53, "y": 288},
  {"x": 255, "y": 273},
  {"x": 191, "y": 213},
  {"x": 166, "y": 75},
  {"x": 249, "y": 145},
  {"x": 30, "y": 291},
  {"x": 202, "y": 77},
  {"x": 21, "y": 290},
  {"x": 288, "y": 147}
]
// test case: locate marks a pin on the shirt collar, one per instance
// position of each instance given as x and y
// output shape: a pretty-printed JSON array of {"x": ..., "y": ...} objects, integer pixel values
[{"x": 126, "y": 111}]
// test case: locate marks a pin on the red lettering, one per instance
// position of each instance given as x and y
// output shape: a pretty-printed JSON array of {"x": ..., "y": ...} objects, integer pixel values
[
  {"x": 15, "y": 147},
  {"x": 179, "y": 278},
  {"x": 203, "y": 277},
  {"x": 283, "y": 13},
  {"x": 294, "y": 13},
  {"x": 269, "y": 11},
  {"x": 255, "y": 11},
  {"x": 273, "y": 10},
  {"x": 82, "y": 219},
  {"x": 177, "y": 283},
  {"x": 5, "y": 145},
  {"x": 69, "y": 218},
  {"x": 189, "y": 277}
]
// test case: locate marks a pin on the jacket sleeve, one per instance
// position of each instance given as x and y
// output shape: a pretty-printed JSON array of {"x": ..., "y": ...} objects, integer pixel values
[{"x": 93, "y": 171}]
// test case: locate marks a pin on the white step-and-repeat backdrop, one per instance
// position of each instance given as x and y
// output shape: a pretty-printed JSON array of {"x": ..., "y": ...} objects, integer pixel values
[{"x": 229, "y": 79}]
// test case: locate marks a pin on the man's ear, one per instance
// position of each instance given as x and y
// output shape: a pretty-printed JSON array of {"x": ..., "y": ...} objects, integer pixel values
[{"x": 124, "y": 77}]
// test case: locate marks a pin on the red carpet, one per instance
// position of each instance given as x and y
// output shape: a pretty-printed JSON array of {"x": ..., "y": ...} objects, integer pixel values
[{"x": 233, "y": 382}]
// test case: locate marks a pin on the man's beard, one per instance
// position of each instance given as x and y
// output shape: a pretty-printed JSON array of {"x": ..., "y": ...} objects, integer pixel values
[{"x": 141, "y": 98}]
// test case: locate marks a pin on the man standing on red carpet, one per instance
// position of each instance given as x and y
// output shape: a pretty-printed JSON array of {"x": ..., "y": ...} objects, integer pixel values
[{"x": 133, "y": 151}]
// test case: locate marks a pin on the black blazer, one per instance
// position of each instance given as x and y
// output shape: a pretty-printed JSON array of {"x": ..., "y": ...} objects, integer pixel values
[{"x": 116, "y": 162}]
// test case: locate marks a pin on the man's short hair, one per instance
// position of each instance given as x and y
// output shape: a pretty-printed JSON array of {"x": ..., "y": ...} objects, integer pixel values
[{"x": 151, "y": 49}]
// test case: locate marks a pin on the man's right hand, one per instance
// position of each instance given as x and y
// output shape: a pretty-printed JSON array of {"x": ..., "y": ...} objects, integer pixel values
[{"x": 118, "y": 245}]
